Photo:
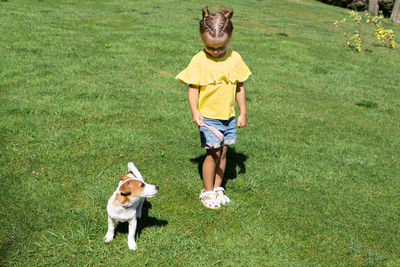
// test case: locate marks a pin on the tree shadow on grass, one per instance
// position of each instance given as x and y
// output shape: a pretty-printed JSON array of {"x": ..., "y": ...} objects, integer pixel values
[
  {"x": 234, "y": 160},
  {"x": 144, "y": 222}
]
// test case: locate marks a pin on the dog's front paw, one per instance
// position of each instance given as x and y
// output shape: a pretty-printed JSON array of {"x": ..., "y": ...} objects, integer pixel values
[
  {"x": 109, "y": 237},
  {"x": 132, "y": 245}
]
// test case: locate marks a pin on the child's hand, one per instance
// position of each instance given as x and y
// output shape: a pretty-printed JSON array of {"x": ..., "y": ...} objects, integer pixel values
[
  {"x": 198, "y": 118},
  {"x": 242, "y": 121}
]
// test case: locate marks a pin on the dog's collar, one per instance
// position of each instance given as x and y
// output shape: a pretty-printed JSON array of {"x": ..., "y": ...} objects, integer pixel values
[
  {"x": 119, "y": 202},
  {"x": 122, "y": 205}
]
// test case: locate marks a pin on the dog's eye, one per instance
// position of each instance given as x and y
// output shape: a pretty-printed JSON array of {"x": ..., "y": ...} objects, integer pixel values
[
  {"x": 125, "y": 194},
  {"x": 142, "y": 185}
]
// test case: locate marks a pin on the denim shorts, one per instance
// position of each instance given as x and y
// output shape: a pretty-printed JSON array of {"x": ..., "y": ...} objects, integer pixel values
[{"x": 226, "y": 127}]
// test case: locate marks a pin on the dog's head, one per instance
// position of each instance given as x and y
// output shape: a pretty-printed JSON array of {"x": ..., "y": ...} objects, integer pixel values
[{"x": 131, "y": 189}]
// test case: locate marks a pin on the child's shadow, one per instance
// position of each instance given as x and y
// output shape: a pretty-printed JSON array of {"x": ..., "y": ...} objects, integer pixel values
[
  {"x": 142, "y": 223},
  {"x": 233, "y": 160}
]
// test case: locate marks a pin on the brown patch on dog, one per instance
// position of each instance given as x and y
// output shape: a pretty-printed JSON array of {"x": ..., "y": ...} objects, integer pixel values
[
  {"x": 115, "y": 203},
  {"x": 122, "y": 199},
  {"x": 132, "y": 188}
]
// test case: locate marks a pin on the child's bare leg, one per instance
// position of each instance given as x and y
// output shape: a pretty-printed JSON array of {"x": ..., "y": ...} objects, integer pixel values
[
  {"x": 208, "y": 195},
  {"x": 209, "y": 167},
  {"x": 220, "y": 168},
  {"x": 219, "y": 176}
]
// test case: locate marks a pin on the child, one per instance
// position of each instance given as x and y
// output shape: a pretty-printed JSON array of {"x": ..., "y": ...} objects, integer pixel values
[{"x": 215, "y": 76}]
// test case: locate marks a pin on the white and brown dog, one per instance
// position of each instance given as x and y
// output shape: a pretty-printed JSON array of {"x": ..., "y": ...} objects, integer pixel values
[{"x": 125, "y": 205}]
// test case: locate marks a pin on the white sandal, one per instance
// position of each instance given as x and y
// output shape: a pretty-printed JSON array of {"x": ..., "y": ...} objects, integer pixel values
[
  {"x": 209, "y": 199},
  {"x": 221, "y": 197}
]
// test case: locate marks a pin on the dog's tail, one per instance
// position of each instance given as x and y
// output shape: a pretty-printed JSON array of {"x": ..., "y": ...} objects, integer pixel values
[{"x": 132, "y": 168}]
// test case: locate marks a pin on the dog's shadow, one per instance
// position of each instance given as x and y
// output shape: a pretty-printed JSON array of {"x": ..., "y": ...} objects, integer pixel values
[
  {"x": 142, "y": 223},
  {"x": 234, "y": 161}
]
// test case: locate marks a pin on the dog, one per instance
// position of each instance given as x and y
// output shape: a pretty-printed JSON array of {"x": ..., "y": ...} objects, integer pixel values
[{"x": 125, "y": 205}]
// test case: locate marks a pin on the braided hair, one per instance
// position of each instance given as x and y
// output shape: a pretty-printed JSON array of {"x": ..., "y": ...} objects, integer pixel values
[{"x": 216, "y": 24}]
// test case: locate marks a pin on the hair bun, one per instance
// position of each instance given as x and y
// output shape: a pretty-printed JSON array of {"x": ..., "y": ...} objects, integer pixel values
[
  {"x": 227, "y": 13},
  {"x": 206, "y": 12}
]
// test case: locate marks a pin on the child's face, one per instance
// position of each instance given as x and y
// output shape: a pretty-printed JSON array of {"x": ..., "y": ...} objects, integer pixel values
[{"x": 215, "y": 46}]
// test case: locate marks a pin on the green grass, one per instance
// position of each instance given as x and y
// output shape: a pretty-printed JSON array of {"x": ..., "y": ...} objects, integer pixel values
[{"x": 86, "y": 86}]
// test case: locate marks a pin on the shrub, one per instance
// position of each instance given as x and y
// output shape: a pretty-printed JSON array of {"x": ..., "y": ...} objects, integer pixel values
[
  {"x": 358, "y": 40},
  {"x": 386, "y": 6},
  {"x": 352, "y": 4}
]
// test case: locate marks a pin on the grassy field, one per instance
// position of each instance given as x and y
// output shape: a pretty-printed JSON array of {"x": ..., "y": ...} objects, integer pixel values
[{"x": 86, "y": 86}]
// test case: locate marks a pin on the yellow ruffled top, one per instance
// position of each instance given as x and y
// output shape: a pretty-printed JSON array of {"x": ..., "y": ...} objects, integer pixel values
[{"x": 217, "y": 79}]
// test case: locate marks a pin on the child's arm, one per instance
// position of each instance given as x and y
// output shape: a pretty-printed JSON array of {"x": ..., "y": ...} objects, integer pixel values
[
  {"x": 193, "y": 97},
  {"x": 241, "y": 101}
]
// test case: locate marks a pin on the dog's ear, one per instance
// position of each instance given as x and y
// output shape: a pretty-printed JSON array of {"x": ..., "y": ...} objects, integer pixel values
[
  {"x": 123, "y": 177},
  {"x": 132, "y": 168}
]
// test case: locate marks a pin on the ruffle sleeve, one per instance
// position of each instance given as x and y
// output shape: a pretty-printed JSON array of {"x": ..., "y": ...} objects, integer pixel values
[
  {"x": 203, "y": 71},
  {"x": 191, "y": 75},
  {"x": 241, "y": 72}
]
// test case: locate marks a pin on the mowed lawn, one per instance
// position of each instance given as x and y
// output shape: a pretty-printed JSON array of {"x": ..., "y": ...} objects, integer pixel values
[{"x": 87, "y": 86}]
